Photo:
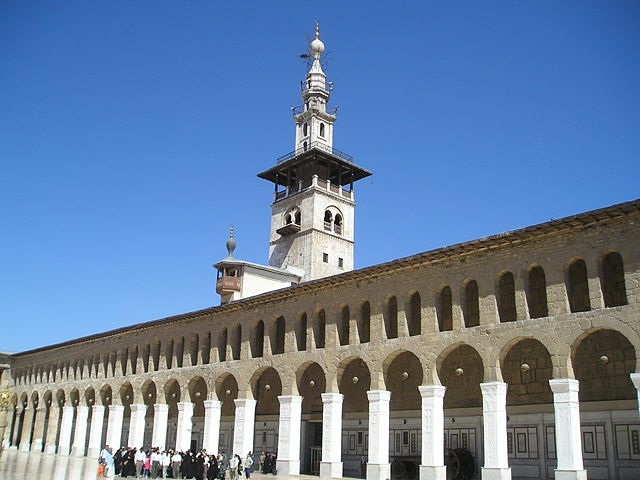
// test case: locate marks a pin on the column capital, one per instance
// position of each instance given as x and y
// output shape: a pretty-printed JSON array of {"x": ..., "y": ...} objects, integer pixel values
[
  {"x": 294, "y": 399},
  {"x": 564, "y": 385},
  {"x": 138, "y": 407},
  {"x": 244, "y": 402},
  {"x": 428, "y": 391},
  {"x": 332, "y": 397},
  {"x": 635, "y": 378},
  {"x": 184, "y": 405},
  {"x": 160, "y": 407},
  {"x": 212, "y": 404},
  {"x": 379, "y": 395},
  {"x": 493, "y": 386}
]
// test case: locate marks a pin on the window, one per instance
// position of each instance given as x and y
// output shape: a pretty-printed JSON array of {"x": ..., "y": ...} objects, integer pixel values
[
  {"x": 612, "y": 280},
  {"x": 325, "y": 257},
  {"x": 340, "y": 263},
  {"x": 322, "y": 130},
  {"x": 328, "y": 220},
  {"x": 414, "y": 319},
  {"x": 305, "y": 129},
  {"x": 537, "y": 293},
  {"x": 337, "y": 225},
  {"x": 507, "y": 297},
  {"x": 578, "y": 287},
  {"x": 444, "y": 309},
  {"x": 471, "y": 304},
  {"x": 391, "y": 318},
  {"x": 304, "y": 146}
]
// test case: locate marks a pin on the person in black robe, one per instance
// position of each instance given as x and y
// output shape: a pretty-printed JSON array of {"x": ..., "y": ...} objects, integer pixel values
[
  {"x": 117, "y": 461},
  {"x": 268, "y": 464},
  {"x": 213, "y": 471},
  {"x": 198, "y": 468},
  {"x": 188, "y": 467},
  {"x": 129, "y": 464}
]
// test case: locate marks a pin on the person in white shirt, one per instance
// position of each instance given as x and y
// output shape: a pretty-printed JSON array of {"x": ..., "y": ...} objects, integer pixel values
[
  {"x": 155, "y": 463},
  {"x": 233, "y": 467},
  {"x": 139, "y": 458},
  {"x": 165, "y": 462},
  {"x": 176, "y": 462}
]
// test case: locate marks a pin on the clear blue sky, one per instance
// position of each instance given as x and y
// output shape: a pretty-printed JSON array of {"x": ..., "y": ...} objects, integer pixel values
[{"x": 131, "y": 133}]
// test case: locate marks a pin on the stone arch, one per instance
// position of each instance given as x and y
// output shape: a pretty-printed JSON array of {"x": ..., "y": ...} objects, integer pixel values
[
  {"x": 602, "y": 361},
  {"x": 226, "y": 388},
  {"x": 444, "y": 308},
  {"x": 74, "y": 397},
  {"x": 266, "y": 386},
  {"x": 403, "y": 373},
  {"x": 413, "y": 309},
  {"x": 89, "y": 396},
  {"x": 47, "y": 398},
  {"x": 390, "y": 314},
  {"x": 460, "y": 368},
  {"x": 577, "y": 283},
  {"x": 222, "y": 345},
  {"x": 172, "y": 396},
  {"x": 527, "y": 367},
  {"x": 61, "y": 397},
  {"x": 354, "y": 380},
  {"x": 311, "y": 383},
  {"x": 198, "y": 391},
  {"x": 194, "y": 348},
  {"x": 106, "y": 395},
  {"x": 149, "y": 392},
  {"x": 611, "y": 269}
]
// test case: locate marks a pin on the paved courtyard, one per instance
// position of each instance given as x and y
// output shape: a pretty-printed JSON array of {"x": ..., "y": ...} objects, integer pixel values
[{"x": 39, "y": 466}]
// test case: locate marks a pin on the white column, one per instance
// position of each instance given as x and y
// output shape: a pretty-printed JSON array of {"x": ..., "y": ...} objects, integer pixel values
[
  {"x": 288, "y": 462},
  {"x": 635, "y": 378},
  {"x": 38, "y": 430},
  {"x": 52, "y": 429},
  {"x": 160, "y": 419},
  {"x": 494, "y": 419},
  {"x": 331, "y": 464},
  {"x": 114, "y": 426},
  {"x": 566, "y": 407},
  {"x": 95, "y": 432},
  {"x": 183, "y": 431},
  {"x": 65, "y": 430},
  {"x": 27, "y": 423},
  {"x": 432, "y": 463},
  {"x": 211, "y": 434},
  {"x": 378, "y": 467},
  {"x": 80, "y": 435},
  {"x": 243, "y": 426},
  {"x": 136, "y": 425}
]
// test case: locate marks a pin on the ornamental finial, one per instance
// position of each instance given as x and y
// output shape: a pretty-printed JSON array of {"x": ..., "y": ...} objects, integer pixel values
[
  {"x": 317, "y": 28},
  {"x": 231, "y": 243}
]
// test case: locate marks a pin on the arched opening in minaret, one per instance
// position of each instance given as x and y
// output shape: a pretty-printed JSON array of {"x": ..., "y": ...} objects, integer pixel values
[
  {"x": 322, "y": 130},
  {"x": 304, "y": 145},
  {"x": 328, "y": 220},
  {"x": 337, "y": 224},
  {"x": 305, "y": 129}
]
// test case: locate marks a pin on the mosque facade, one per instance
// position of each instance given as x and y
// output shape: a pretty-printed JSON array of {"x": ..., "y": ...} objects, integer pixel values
[{"x": 511, "y": 356}]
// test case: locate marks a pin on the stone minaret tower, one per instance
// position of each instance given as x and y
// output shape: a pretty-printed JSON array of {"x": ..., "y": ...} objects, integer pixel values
[{"x": 312, "y": 216}]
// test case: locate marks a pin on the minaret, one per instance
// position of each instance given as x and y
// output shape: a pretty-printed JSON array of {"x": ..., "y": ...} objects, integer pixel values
[{"x": 312, "y": 216}]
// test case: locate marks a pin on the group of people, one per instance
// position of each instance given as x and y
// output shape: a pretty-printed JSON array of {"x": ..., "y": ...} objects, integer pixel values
[{"x": 154, "y": 463}]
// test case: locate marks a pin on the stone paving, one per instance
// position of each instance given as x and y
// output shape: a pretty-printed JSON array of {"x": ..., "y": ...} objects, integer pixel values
[{"x": 40, "y": 466}]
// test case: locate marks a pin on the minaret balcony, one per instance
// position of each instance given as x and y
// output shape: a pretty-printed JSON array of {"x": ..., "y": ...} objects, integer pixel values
[
  {"x": 288, "y": 229},
  {"x": 227, "y": 285}
]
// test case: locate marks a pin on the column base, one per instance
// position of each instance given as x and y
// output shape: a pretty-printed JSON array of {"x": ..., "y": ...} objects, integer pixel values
[
  {"x": 433, "y": 473},
  {"x": 330, "y": 469},
  {"x": 570, "y": 474},
  {"x": 63, "y": 450},
  {"x": 77, "y": 452},
  {"x": 50, "y": 449},
  {"x": 378, "y": 471},
  {"x": 24, "y": 447},
  {"x": 288, "y": 467},
  {"x": 93, "y": 452},
  {"x": 497, "y": 474}
]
